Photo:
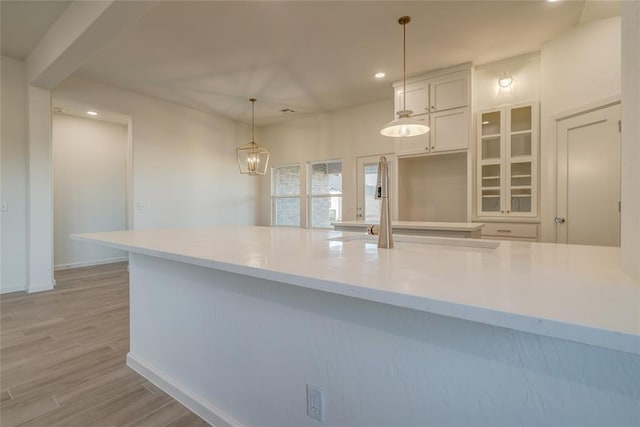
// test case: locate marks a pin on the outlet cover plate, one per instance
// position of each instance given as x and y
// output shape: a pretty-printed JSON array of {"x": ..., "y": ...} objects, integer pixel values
[{"x": 315, "y": 402}]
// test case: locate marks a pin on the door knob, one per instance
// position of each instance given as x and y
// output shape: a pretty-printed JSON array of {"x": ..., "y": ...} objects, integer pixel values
[{"x": 559, "y": 220}]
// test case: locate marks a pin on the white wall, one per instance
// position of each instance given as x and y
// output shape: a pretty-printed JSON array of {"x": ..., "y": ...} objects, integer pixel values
[
  {"x": 578, "y": 68},
  {"x": 344, "y": 134},
  {"x": 433, "y": 188},
  {"x": 184, "y": 168},
  {"x": 14, "y": 175},
  {"x": 89, "y": 187},
  {"x": 631, "y": 138},
  {"x": 525, "y": 70}
]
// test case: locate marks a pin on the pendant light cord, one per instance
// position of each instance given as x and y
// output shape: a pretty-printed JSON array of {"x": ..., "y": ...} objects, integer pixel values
[
  {"x": 404, "y": 66},
  {"x": 253, "y": 115}
]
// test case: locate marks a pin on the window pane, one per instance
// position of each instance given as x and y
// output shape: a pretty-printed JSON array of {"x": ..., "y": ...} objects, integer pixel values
[
  {"x": 325, "y": 210},
  {"x": 286, "y": 211},
  {"x": 286, "y": 180},
  {"x": 371, "y": 204},
  {"x": 326, "y": 178}
]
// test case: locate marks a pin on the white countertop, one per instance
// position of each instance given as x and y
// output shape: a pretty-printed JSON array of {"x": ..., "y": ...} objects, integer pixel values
[
  {"x": 571, "y": 292},
  {"x": 421, "y": 225}
]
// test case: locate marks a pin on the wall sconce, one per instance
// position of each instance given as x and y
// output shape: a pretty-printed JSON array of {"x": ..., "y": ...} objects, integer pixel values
[{"x": 505, "y": 80}]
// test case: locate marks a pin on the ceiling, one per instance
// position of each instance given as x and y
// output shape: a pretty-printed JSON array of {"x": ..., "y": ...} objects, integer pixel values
[
  {"x": 309, "y": 56},
  {"x": 24, "y": 23}
]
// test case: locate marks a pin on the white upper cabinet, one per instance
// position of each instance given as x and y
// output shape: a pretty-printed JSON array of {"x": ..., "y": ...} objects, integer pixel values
[
  {"x": 417, "y": 98},
  {"x": 507, "y": 161},
  {"x": 449, "y": 92},
  {"x": 443, "y": 102},
  {"x": 449, "y": 130}
]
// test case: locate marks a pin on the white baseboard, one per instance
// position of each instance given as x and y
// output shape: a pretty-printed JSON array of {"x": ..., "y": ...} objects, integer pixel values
[
  {"x": 89, "y": 263},
  {"x": 13, "y": 288},
  {"x": 41, "y": 287},
  {"x": 179, "y": 392}
]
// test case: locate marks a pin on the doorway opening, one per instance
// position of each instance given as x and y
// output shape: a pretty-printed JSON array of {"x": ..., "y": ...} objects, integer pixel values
[{"x": 91, "y": 159}]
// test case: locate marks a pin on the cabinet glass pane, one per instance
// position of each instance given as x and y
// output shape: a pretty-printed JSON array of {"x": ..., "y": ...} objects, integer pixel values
[
  {"x": 491, "y": 188},
  {"x": 491, "y": 200},
  {"x": 521, "y": 200},
  {"x": 520, "y": 174},
  {"x": 491, "y": 148},
  {"x": 521, "y": 145},
  {"x": 521, "y": 119},
  {"x": 491, "y": 123}
]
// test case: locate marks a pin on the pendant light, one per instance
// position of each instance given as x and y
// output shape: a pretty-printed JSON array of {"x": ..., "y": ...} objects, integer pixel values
[
  {"x": 404, "y": 125},
  {"x": 252, "y": 157}
]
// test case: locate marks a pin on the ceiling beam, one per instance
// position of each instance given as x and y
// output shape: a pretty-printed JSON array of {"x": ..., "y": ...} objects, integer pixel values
[{"x": 82, "y": 29}]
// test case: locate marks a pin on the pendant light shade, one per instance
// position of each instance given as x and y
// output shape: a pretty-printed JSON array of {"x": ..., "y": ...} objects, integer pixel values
[
  {"x": 404, "y": 125},
  {"x": 253, "y": 158}
]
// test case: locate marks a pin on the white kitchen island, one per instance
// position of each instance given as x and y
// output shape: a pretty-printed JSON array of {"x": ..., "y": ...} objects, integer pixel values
[{"x": 236, "y": 321}]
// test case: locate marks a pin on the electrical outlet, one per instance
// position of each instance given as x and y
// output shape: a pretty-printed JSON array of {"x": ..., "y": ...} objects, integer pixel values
[{"x": 315, "y": 402}]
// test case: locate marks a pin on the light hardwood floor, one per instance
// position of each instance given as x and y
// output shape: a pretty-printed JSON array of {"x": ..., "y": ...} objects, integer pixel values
[{"x": 62, "y": 358}]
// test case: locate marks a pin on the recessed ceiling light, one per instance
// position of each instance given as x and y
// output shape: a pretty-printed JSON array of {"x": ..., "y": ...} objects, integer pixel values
[
  {"x": 552, "y": 1},
  {"x": 92, "y": 113},
  {"x": 379, "y": 75}
]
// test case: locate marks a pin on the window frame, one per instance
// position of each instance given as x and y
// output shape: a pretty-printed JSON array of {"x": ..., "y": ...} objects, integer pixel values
[
  {"x": 311, "y": 196},
  {"x": 274, "y": 196}
]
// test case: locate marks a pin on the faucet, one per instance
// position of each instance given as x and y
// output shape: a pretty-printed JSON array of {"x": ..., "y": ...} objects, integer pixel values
[{"x": 385, "y": 232}]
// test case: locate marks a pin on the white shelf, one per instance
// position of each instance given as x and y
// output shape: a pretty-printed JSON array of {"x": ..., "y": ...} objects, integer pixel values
[
  {"x": 521, "y": 159},
  {"x": 521, "y": 187},
  {"x": 521, "y": 132},
  {"x": 521, "y": 196},
  {"x": 491, "y": 162},
  {"x": 493, "y": 135},
  {"x": 490, "y": 196},
  {"x": 520, "y": 176},
  {"x": 491, "y": 188}
]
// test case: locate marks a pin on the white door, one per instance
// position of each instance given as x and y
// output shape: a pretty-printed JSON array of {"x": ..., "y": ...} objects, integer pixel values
[
  {"x": 588, "y": 194},
  {"x": 368, "y": 208}
]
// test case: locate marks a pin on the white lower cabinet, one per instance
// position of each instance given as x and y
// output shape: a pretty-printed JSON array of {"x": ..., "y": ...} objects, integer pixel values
[{"x": 510, "y": 231}]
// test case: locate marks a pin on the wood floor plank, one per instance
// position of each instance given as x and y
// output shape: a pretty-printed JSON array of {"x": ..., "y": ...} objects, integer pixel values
[
  {"x": 162, "y": 416},
  {"x": 63, "y": 357},
  {"x": 17, "y": 411}
]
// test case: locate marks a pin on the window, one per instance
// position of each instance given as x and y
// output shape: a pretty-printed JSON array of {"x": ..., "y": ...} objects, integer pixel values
[
  {"x": 285, "y": 195},
  {"x": 325, "y": 193}
]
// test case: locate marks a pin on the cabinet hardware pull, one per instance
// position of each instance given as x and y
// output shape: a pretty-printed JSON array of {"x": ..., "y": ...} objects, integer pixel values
[{"x": 503, "y": 231}]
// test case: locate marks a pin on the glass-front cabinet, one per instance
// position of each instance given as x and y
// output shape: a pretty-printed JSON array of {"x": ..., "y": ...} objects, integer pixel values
[{"x": 507, "y": 161}]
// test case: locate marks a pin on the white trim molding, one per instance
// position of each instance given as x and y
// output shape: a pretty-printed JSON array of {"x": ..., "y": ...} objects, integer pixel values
[
  {"x": 20, "y": 287},
  {"x": 179, "y": 392},
  {"x": 89, "y": 263},
  {"x": 41, "y": 287}
]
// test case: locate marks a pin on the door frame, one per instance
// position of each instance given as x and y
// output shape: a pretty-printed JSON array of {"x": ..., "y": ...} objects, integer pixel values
[
  {"x": 549, "y": 164},
  {"x": 562, "y": 182}
]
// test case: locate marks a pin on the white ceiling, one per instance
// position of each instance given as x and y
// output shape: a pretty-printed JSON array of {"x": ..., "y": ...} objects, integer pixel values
[
  {"x": 25, "y": 22},
  {"x": 310, "y": 56}
]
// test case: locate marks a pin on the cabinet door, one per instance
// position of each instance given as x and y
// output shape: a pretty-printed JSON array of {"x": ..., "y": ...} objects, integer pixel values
[
  {"x": 449, "y": 92},
  {"x": 417, "y": 98},
  {"x": 415, "y": 144},
  {"x": 449, "y": 130},
  {"x": 490, "y": 152},
  {"x": 520, "y": 161}
]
